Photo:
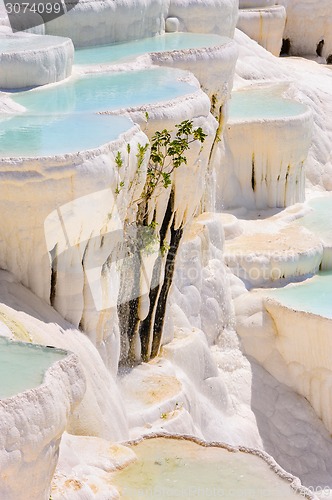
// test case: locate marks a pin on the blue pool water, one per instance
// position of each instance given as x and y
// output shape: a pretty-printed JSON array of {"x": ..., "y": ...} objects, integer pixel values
[
  {"x": 33, "y": 135},
  {"x": 314, "y": 295},
  {"x": 319, "y": 221},
  {"x": 22, "y": 366},
  {"x": 122, "y": 52},
  {"x": 262, "y": 103},
  {"x": 106, "y": 91}
]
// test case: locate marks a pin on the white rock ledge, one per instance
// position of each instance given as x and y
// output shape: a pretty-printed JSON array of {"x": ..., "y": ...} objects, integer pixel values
[
  {"x": 265, "y": 161},
  {"x": 29, "y": 60},
  {"x": 264, "y": 25},
  {"x": 31, "y": 426},
  {"x": 212, "y": 66},
  {"x": 305, "y": 343}
]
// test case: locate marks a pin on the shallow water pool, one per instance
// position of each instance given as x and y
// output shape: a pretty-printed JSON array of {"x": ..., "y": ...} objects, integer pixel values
[
  {"x": 107, "y": 91},
  {"x": 172, "y": 468},
  {"x": 251, "y": 104},
  {"x": 122, "y": 52},
  {"x": 22, "y": 366},
  {"x": 32, "y": 135},
  {"x": 313, "y": 295},
  {"x": 319, "y": 221}
]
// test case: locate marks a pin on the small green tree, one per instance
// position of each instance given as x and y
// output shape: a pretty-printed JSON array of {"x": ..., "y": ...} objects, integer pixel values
[{"x": 167, "y": 153}]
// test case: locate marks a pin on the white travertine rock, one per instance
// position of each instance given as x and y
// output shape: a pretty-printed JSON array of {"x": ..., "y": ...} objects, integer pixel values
[
  {"x": 97, "y": 22},
  {"x": 28, "y": 60},
  {"x": 101, "y": 412},
  {"x": 272, "y": 254},
  {"x": 205, "y": 16},
  {"x": 213, "y": 67},
  {"x": 305, "y": 347},
  {"x": 84, "y": 468},
  {"x": 267, "y": 168},
  {"x": 245, "y": 4},
  {"x": 311, "y": 85},
  {"x": 31, "y": 426},
  {"x": 79, "y": 190},
  {"x": 308, "y": 24},
  {"x": 172, "y": 25},
  {"x": 264, "y": 25}
]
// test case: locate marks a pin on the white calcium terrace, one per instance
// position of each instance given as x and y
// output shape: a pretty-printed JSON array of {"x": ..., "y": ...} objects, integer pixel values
[
  {"x": 40, "y": 388},
  {"x": 28, "y": 60},
  {"x": 169, "y": 466},
  {"x": 96, "y": 23},
  {"x": 309, "y": 27},
  {"x": 267, "y": 139},
  {"x": 68, "y": 169},
  {"x": 318, "y": 220},
  {"x": 302, "y": 314},
  {"x": 211, "y": 58},
  {"x": 264, "y": 25}
]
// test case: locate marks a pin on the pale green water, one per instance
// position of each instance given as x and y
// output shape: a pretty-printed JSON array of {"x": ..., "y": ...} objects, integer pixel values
[
  {"x": 106, "y": 91},
  {"x": 125, "y": 51},
  {"x": 29, "y": 135},
  {"x": 319, "y": 221},
  {"x": 168, "y": 469},
  {"x": 262, "y": 103},
  {"x": 314, "y": 295},
  {"x": 22, "y": 366}
]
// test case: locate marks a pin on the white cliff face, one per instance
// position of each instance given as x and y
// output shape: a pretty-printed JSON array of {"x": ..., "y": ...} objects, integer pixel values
[
  {"x": 97, "y": 22},
  {"x": 267, "y": 168},
  {"x": 62, "y": 216},
  {"x": 28, "y": 60},
  {"x": 30, "y": 319},
  {"x": 209, "y": 16},
  {"x": 311, "y": 85},
  {"x": 31, "y": 425},
  {"x": 264, "y": 25},
  {"x": 68, "y": 230},
  {"x": 115, "y": 22},
  {"x": 305, "y": 348},
  {"x": 213, "y": 67},
  {"x": 308, "y": 38}
]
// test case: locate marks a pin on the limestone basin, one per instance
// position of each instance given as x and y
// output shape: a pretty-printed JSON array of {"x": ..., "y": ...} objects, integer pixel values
[
  {"x": 29, "y": 60},
  {"x": 39, "y": 389},
  {"x": 267, "y": 138},
  {"x": 179, "y": 467},
  {"x": 127, "y": 51},
  {"x": 318, "y": 221},
  {"x": 313, "y": 296},
  {"x": 302, "y": 315},
  {"x": 44, "y": 136},
  {"x": 23, "y": 365},
  {"x": 211, "y": 58},
  {"x": 108, "y": 91}
]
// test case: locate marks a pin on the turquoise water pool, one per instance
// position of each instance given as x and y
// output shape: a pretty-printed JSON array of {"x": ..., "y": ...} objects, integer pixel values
[
  {"x": 22, "y": 366},
  {"x": 31, "y": 136},
  {"x": 262, "y": 103},
  {"x": 319, "y": 221},
  {"x": 106, "y": 91},
  {"x": 122, "y": 52},
  {"x": 314, "y": 295}
]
